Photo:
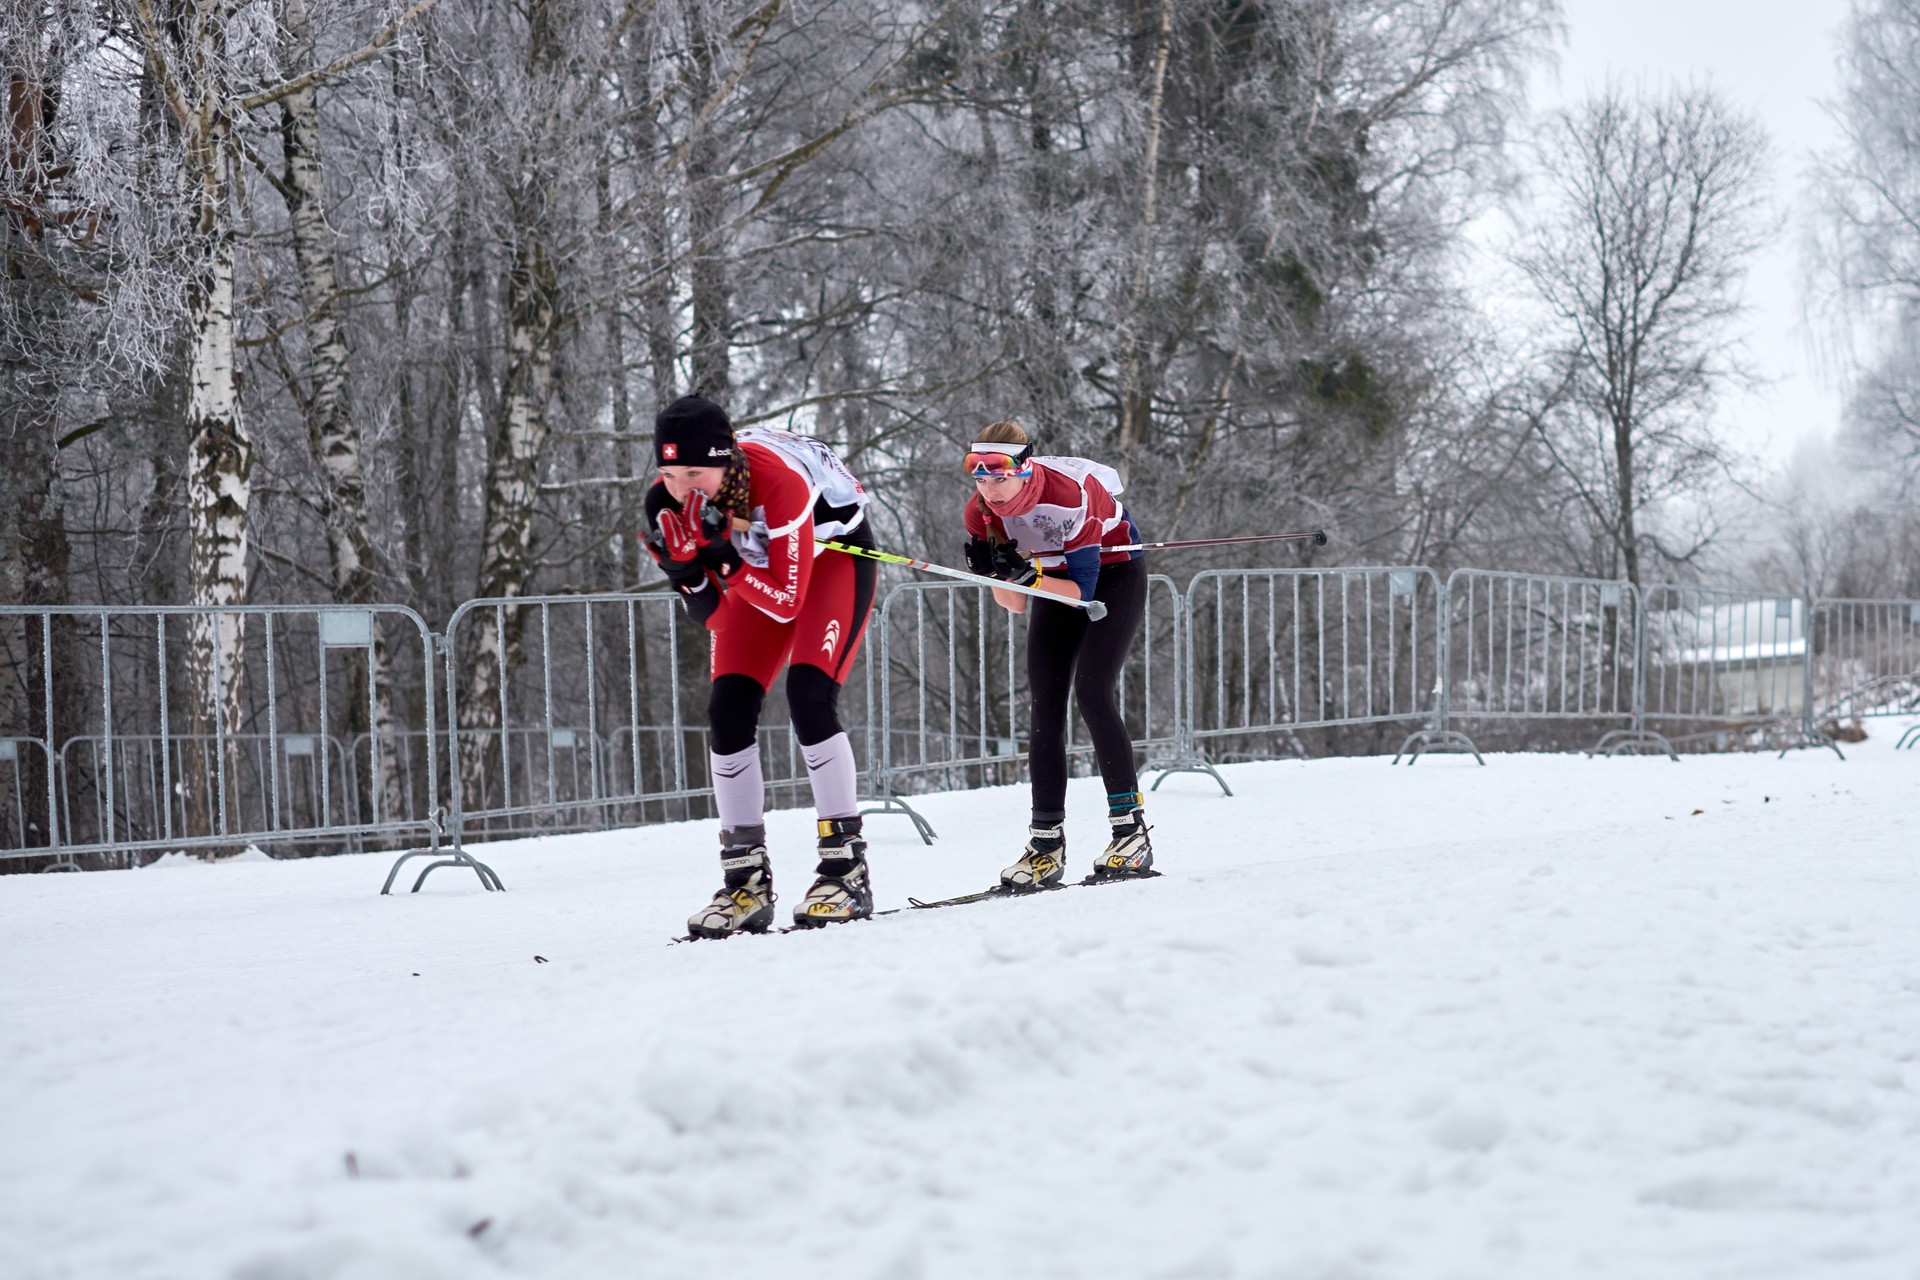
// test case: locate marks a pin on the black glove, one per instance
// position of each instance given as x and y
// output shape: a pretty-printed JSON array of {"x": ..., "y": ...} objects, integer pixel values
[
  {"x": 716, "y": 541},
  {"x": 1010, "y": 566},
  {"x": 685, "y": 575},
  {"x": 980, "y": 556},
  {"x": 701, "y": 601}
]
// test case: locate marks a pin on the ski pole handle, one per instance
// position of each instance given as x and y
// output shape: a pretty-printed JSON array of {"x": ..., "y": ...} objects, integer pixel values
[{"x": 1092, "y": 608}]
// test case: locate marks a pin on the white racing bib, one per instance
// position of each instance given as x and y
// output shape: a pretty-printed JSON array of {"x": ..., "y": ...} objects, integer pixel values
[
  {"x": 832, "y": 483},
  {"x": 1081, "y": 468},
  {"x": 827, "y": 476}
]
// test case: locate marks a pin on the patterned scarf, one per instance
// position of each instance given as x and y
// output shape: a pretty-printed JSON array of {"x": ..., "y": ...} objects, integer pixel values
[{"x": 735, "y": 494}]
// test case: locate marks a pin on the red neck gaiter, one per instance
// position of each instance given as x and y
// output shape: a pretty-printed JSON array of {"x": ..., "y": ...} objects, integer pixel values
[{"x": 1022, "y": 502}]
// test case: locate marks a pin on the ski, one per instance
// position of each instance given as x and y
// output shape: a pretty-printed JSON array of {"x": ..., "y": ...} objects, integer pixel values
[
  {"x": 1148, "y": 874},
  {"x": 1001, "y": 891},
  {"x": 998, "y": 891},
  {"x": 961, "y": 900}
]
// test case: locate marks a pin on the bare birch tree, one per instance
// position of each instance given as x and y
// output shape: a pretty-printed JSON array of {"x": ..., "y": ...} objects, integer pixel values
[
  {"x": 334, "y": 437},
  {"x": 193, "y": 51},
  {"x": 1650, "y": 210}
]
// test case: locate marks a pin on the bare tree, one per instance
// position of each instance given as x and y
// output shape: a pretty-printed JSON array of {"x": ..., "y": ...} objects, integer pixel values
[
  {"x": 1651, "y": 208},
  {"x": 1867, "y": 248},
  {"x": 325, "y": 394},
  {"x": 41, "y": 329}
]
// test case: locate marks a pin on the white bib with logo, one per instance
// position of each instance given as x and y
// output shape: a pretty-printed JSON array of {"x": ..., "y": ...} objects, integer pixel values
[{"x": 828, "y": 477}]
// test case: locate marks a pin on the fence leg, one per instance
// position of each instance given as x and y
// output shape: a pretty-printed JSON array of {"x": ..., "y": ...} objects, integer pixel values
[
  {"x": 1615, "y": 741},
  {"x": 893, "y": 804},
  {"x": 1811, "y": 737},
  {"x": 459, "y": 857},
  {"x": 1187, "y": 756},
  {"x": 1189, "y": 760},
  {"x": 1440, "y": 736},
  {"x": 1422, "y": 741}
]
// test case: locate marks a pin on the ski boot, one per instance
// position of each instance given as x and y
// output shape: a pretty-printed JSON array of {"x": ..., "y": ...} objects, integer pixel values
[
  {"x": 1042, "y": 865},
  {"x": 1129, "y": 853},
  {"x": 842, "y": 891},
  {"x": 744, "y": 903}
]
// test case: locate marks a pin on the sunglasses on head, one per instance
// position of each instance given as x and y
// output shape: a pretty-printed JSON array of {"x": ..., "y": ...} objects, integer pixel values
[{"x": 1000, "y": 460}]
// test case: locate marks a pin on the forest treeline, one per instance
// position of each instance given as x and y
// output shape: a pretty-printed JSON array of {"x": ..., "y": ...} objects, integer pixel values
[{"x": 373, "y": 300}]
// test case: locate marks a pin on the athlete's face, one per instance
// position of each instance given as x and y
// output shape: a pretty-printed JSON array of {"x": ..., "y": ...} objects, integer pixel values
[
  {"x": 995, "y": 490},
  {"x": 682, "y": 481}
]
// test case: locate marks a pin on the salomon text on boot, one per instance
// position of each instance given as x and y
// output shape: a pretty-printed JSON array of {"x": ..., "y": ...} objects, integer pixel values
[
  {"x": 1129, "y": 853},
  {"x": 1042, "y": 865},
  {"x": 744, "y": 903},
  {"x": 843, "y": 890}
]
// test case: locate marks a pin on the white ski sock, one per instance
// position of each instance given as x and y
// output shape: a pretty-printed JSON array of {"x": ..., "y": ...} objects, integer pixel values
[
  {"x": 739, "y": 790},
  {"x": 830, "y": 771}
]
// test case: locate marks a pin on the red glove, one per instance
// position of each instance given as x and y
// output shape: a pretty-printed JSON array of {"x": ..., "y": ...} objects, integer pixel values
[
  {"x": 681, "y": 537},
  {"x": 707, "y": 529}
]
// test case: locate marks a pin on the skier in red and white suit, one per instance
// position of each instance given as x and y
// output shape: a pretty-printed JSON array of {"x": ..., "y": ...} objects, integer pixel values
[
  {"x": 732, "y": 523},
  {"x": 1057, "y": 524}
]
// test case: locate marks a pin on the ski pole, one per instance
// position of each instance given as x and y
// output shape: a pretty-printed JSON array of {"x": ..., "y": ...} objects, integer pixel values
[
  {"x": 1318, "y": 537},
  {"x": 1092, "y": 608}
]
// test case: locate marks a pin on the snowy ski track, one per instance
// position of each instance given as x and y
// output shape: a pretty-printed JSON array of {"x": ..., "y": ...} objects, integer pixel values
[{"x": 1536, "y": 1020}]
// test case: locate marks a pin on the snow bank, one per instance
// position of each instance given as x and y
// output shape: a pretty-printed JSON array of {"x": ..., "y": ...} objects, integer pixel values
[{"x": 1551, "y": 1018}]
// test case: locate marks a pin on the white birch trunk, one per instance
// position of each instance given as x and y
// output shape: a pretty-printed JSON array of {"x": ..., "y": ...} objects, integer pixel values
[
  {"x": 512, "y": 485},
  {"x": 219, "y": 467},
  {"x": 332, "y": 434},
  {"x": 520, "y": 433},
  {"x": 707, "y": 194},
  {"x": 333, "y": 437}
]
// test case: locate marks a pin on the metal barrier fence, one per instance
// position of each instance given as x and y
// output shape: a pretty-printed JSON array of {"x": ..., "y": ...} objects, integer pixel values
[
  {"x": 1272, "y": 652},
  {"x": 177, "y": 727},
  {"x": 953, "y": 696},
  {"x": 1546, "y": 648},
  {"x": 317, "y": 785},
  {"x": 19, "y": 832},
  {"x": 1865, "y": 662},
  {"x": 328, "y": 726}
]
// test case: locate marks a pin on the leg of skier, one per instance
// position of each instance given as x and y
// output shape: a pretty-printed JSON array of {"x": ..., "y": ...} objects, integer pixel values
[
  {"x": 827, "y": 635},
  {"x": 1054, "y": 636},
  {"x": 745, "y": 657},
  {"x": 1096, "y": 687}
]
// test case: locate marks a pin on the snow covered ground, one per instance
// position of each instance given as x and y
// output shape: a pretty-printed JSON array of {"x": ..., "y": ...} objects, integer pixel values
[{"x": 1555, "y": 1017}]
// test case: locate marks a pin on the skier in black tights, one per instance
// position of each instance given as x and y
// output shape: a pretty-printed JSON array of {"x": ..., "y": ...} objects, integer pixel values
[{"x": 1046, "y": 522}]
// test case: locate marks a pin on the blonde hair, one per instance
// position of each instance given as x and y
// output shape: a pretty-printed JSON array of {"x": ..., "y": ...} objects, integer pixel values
[{"x": 1008, "y": 432}]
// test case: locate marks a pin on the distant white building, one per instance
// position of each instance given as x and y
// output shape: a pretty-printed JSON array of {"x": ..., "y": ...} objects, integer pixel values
[{"x": 1754, "y": 651}]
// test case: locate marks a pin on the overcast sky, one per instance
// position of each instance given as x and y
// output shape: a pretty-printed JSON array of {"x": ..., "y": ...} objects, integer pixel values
[{"x": 1776, "y": 59}]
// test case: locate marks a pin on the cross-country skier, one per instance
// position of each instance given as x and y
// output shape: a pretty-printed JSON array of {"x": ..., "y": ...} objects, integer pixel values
[
  {"x": 732, "y": 522},
  {"x": 1043, "y": 522}
]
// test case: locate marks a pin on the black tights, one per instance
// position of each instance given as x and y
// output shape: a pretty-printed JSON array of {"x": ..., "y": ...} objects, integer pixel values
[
  {"x": 1066, "y": 650},
  {"x": 733, "y": 708}
]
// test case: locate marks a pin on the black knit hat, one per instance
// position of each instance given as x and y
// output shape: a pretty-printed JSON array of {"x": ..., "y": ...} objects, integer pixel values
[{"x": 692, "y": 432}]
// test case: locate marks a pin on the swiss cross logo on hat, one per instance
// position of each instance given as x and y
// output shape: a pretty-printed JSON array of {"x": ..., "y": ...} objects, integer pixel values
[{"x": 670, "y": 452}]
